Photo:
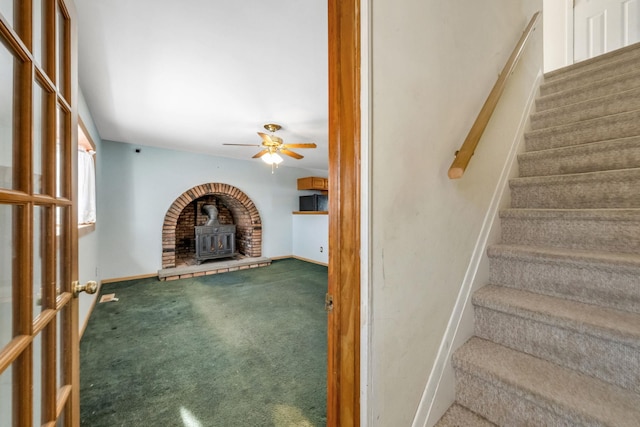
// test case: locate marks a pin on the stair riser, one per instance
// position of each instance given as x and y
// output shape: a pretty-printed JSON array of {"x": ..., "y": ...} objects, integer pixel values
[
  {"x": 586, "y": 194},
  {"x": 603, "y": 285},
  {"x": 607, "y": 360},
  {"x": 590, "y": 91},
  {"x": 500, "y": 404},
  {"x": 583, "y": 77},
  {"x": 586, "y": 234},
  {"x": 602, "y": 129},
  {"x": 602, "y": 156},
  {"x": 620, "y": 103},
  {"x": 593, "y": 90}
]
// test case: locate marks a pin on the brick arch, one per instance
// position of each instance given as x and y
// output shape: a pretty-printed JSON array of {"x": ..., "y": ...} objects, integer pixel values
[{"x": 245, "y": 214}]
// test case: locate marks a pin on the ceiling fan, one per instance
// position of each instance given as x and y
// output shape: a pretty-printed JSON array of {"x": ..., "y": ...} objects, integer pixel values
[{"x": 272, "y": 145}]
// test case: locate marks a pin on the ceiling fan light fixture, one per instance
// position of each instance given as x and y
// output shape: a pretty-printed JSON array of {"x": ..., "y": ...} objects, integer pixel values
[{"x": 272, "y": 158}]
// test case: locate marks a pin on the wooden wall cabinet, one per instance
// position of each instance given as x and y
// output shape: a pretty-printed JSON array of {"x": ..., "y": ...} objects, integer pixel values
[{"x": 313, "y": 183}]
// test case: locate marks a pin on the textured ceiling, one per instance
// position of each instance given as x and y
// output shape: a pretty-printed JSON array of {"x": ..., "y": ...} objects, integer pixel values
[{"x": 194, "y": 74}]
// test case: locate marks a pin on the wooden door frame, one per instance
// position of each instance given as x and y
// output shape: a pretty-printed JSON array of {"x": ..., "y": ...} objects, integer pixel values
[
  {"x": 558, "y": 33},
  {"x": 343, "y": 367}
]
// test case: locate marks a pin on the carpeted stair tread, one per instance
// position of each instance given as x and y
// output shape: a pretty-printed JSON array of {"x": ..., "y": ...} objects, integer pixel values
[
  {"x": 610, "y": 104},
  {"x": 590, "y": 90},
  {"x": 582, "y": 76},
  {"x": 555, "y": 392},
  {"x": 630, "y": 51},
  {"x": 615, "y": 230},
  {"x": 601, "y": 189},
  {"x": 623, "y": 153},
  {"x": 604, "y": 128},
  {"x": 459, "y": 416},
  {"x": 603, "y": 323}
]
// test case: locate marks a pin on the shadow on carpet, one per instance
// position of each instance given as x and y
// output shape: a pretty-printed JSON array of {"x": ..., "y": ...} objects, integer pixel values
[{"x": 246, "y": 348}]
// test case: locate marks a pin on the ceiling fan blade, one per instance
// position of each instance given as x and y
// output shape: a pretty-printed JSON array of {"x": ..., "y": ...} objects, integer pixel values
[
  {"x": 291, "y": 153},
  {"x": 260, "y": 154},
  {"x": 245, "y": 145},
  {"x": 270, "y": 140},
  {"x": 266, "y": 139},
  {"x": 301, "y": 145}
]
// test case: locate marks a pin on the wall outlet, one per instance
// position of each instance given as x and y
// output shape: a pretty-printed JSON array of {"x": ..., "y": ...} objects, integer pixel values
[{"x": 321, "y": 249}]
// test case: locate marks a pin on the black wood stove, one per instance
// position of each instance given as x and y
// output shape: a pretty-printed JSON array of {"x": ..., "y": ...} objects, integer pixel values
[{"x": 214, "y": 240}]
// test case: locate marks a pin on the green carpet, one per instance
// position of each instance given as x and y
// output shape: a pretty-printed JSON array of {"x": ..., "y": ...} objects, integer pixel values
[{"x": 246, "y": 348}]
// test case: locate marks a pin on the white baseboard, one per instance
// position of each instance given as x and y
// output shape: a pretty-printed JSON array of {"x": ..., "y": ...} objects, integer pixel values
[
  {"x": 309, "y": 260},
  {"x": 122, "y": 279}
]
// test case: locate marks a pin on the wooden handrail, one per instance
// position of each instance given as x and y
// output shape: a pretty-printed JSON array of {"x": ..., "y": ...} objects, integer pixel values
[{"x": 463, "y": 156}]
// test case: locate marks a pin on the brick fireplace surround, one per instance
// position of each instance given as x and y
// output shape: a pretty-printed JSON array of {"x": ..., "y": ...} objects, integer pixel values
[{"x": 243, "y": 212}]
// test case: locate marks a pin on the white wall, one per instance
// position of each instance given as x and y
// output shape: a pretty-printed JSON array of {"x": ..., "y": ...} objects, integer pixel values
[
  {"x": 136, "y": 189},
  {"x": 311, "y": 237},
  {"x": 88, "y": 240},
  {"x": 432, "y": 65}
]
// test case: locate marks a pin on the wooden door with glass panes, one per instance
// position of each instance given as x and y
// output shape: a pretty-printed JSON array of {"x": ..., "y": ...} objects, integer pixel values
[{"x": 39, "y": 365}]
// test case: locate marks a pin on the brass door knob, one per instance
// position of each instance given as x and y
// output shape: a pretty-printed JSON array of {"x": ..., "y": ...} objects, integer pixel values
[{"x": 90, "y": 287}]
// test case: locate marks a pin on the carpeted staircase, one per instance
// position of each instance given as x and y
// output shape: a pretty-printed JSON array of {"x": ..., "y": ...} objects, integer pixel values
[{"x": 557, "y": 330}]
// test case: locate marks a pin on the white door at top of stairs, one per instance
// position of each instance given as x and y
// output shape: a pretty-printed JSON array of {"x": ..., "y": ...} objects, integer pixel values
[{"x": 601, "y": 26}]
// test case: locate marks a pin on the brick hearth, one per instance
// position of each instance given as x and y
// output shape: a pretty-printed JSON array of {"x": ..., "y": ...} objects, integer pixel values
[{"x": 216, "y": 267}]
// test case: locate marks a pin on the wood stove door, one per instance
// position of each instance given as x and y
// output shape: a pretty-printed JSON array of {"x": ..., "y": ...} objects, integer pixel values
[
  {"x": 215, "y": 245},
  {"x": 224, "y": 244}
]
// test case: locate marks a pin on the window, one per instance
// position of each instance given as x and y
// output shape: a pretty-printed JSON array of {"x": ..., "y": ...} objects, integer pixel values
[{"x": 86, "y": 178}]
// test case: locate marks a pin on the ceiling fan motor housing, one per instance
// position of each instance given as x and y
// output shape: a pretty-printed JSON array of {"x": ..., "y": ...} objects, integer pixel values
[{"x": 272, "y": 127}]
